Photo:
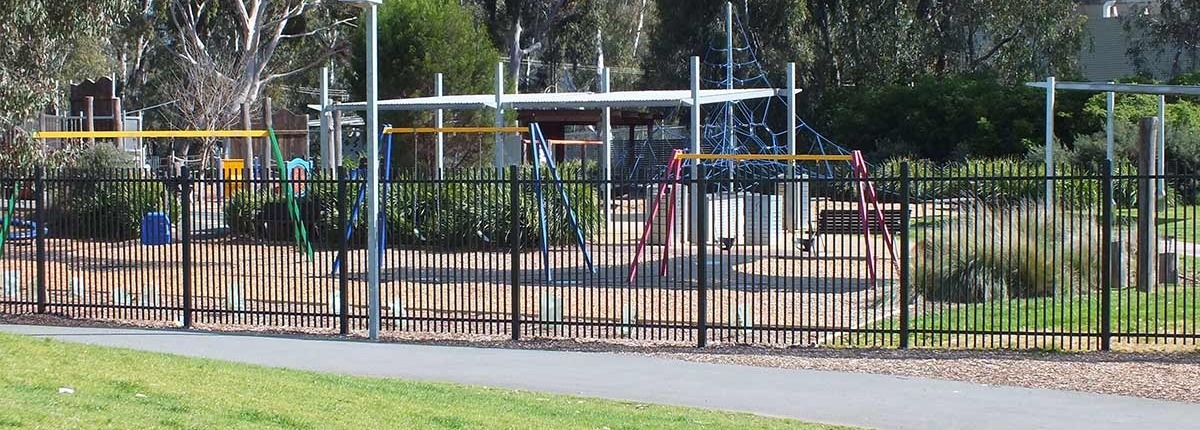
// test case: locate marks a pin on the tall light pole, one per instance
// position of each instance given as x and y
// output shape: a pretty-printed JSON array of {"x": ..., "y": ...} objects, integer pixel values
[{"x": 371, "y": 132}]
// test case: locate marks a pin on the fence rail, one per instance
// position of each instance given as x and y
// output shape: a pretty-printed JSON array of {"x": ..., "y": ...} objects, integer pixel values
[{"x": 983, "y": 261}]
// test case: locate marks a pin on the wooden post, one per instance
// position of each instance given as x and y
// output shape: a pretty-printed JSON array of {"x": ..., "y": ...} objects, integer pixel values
[
  {"x": 1147, "y": 250},
  {"x": 248, "y": 156},
  {"x": 117, "y": 122},
  {"x": 90, "y": 117}
]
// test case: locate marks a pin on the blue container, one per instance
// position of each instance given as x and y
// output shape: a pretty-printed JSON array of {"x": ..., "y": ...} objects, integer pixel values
[{"x": 156, "y": 229}]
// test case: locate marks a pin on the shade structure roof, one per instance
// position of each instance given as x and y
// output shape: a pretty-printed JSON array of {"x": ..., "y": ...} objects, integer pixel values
[
  {"x": 1178, "y": 90},
  {"x": 576, "y": 100}
]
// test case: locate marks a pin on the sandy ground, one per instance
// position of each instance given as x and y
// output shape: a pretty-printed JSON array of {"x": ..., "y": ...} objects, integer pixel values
[{"x": 788, "y": 297}]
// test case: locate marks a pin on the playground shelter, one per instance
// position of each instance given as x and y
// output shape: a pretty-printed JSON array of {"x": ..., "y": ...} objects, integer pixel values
[
  {"x": 507, "y": 151},
  {"x": 1111, "y": 90}
]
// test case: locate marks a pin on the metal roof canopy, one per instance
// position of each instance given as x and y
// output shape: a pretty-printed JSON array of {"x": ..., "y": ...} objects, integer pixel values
[
  {"x": 1050, "y": 85},
  {"x": 1104, "y": 87},
  {"x": 577, "y": 100}
]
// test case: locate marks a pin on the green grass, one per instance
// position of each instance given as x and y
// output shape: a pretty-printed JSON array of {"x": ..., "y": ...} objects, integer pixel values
[
  {"x": 118, "y": 388},
  {"x": 1171, "y": 309},
  {"x": 1178, "y": 221}
]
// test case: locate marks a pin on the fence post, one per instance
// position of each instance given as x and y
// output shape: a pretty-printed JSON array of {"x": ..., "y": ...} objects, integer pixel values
[
  {"x": 905, "y": 196},
  {"x": 701, "y": 256},
  {"x": 514, "y": 194},
  {"x": 1106, "y": 260},
  {"x": 39, "y": 215},
  {"x": 185, "y": 233},
  {"x": 343, "y": 244}
]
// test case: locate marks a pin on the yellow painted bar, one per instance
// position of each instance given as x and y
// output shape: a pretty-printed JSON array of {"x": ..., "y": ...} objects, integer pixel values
[
  {"x": 568, "y": 142},
  {"x": 401, "y": 130},
  {"x": 769, "y": 157},
  {"x": 147, "y": 134}
]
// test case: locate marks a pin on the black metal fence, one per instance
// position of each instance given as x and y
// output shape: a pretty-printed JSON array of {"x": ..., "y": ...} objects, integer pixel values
[{"x": 980, "y": 259}]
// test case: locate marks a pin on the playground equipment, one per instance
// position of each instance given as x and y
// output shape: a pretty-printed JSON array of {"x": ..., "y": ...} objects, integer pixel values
[
  {"x": 745, "y": 127},
  {"x": 30, "y": 229},
  {"x": 869, "y": 208},
  {"x": 542, "y": 147},
  {"x": 299, "y": 229}
]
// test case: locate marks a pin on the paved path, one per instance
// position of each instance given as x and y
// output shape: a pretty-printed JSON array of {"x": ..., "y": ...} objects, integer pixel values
[{"x": 888, "y": 402}]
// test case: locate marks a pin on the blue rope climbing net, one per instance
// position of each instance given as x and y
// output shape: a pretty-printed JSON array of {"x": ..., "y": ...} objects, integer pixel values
[{"x": 746, "y": 127}]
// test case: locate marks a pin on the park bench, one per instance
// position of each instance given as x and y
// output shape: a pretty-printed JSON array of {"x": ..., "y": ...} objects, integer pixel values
[{"x": 849, "y": 221}]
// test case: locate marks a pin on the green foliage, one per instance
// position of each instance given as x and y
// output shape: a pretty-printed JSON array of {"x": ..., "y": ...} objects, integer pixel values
[
  {"x": 39, "y": 51},
  {"x": 938, "y": 119},
  {"x": 467, "y": 210},
  {"x": 243, "y": 207},
  {"x": 1011, "y": 181},
  {"x": 1007, "y": 251},
  {"x": 1130, "y": 108},
  {"x": 872, "y": 44},
  {"x": 101, "y": 199},
  {"x": 417, "y": 39}
]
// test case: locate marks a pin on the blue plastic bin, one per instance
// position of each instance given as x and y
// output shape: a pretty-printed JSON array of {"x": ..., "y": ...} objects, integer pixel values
[{"x": 156, "y": 229}]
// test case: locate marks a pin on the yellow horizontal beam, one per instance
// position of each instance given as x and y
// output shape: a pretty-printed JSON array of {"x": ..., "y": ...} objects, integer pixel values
[
  {"x": 147, "y": 134},
  {"x": 768, "y": 157},
  {"x": 569, "y": 142},
  {"x": 401, "y": 130}
]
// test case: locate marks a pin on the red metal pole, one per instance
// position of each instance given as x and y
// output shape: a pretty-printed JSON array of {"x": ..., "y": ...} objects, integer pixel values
[
  {"x": 860, "y": 175},
  {"x": 662, "y": 265},
  {"x": 633, "y": 266}
]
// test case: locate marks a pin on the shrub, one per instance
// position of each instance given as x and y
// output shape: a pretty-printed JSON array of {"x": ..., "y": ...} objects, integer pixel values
[
  {"x": 468, "y": 209},
  {"x": 100, "y": 200},
  {"x": 990, "y": 252}
]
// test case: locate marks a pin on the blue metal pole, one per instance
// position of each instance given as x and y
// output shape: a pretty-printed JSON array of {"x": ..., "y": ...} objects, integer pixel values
[
  {"x": 387, "y": 176},
  {"x": 587, "y": 256},
  {"x": 358, "y": 201},
  {"x": 535, "y": 136}
]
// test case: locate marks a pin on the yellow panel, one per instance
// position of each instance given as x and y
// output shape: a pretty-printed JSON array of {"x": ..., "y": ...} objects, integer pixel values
[
  {"x": 769, "y": 157},
  {"x": 400, "y": 130},
  {"x": 147, "y": 134},
  {"x": 233, "y": 168}
]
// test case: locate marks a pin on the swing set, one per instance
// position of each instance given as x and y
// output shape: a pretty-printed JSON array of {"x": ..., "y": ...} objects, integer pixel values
[
  {"x": 869, "y": 210},
  {"x": 540, "y": 148}
]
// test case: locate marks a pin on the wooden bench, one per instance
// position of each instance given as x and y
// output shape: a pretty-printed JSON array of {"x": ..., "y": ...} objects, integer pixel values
[{"x": 844, "y": 221}]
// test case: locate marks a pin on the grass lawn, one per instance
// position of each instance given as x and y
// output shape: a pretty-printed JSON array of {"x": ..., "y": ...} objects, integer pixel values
[
  {"x": 118, "y": 388},
  {"x": 1171, "y": 309},
  {"x": 1181, "y": 221}
]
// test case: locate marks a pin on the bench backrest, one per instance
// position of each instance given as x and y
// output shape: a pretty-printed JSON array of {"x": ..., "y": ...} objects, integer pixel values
[{"x": 849, "y": 221}]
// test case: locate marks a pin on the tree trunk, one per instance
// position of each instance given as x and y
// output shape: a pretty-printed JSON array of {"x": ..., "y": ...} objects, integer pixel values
[{"x": 514, "y": 56}]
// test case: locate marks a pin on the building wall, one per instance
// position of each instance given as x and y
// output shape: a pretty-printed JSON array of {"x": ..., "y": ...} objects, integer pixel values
[{"x": 1104, "y": 54}]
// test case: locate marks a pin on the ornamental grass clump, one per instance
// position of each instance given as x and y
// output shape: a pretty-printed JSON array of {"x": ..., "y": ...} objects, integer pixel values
[{"x": 990, "y": 252}]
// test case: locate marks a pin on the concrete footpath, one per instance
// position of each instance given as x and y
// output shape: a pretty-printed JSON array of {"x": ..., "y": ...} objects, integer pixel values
[{"x": 877, "y": 401}]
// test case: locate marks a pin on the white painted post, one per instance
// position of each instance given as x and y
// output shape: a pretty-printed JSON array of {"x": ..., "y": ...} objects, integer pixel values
[
  {"x": 606, "y": 135},
  {"x": 790, "y": 212},
  {"x": 439, "y": 119},
  {"x": 1049, "y": 144},
  {"x": 372, "y": 135},
  {"x": 695, "y": 149},
  {"x": 729, "y": 86},
  {"x": 498, "y": 151},
  {"x": 326, "y": 160},
  {"x": 1162, "y": 149},
  {"x": 1110, "y": 104}
]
